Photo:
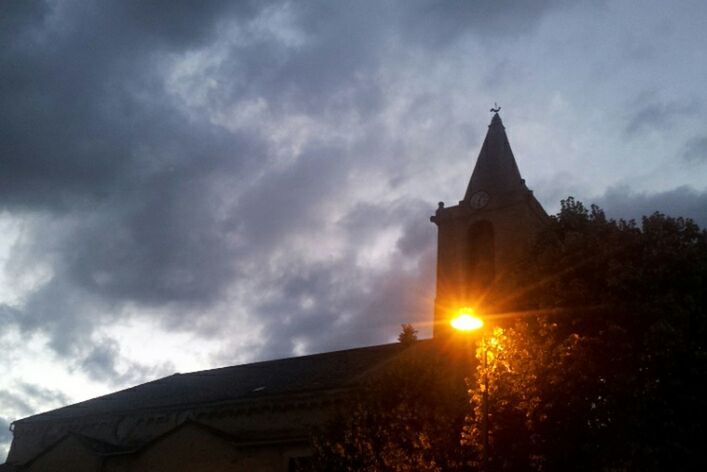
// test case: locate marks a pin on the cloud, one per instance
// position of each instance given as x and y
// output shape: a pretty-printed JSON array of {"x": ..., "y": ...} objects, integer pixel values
[
  {"x": 14, "y": 403},
  {"x": 36, "y": 394},
  {"x": 105, "y": 363},
  {"x": 167, "y": 154},
  {"x": 253, "y": 174},
  {"x": 358, "y": 295},
  {"x": 650, "y": 113},
  {"x": 695, "y": 150},
  {"x": 438, "y": 23},
  {"x": 84, "y": 103},
  {"x": 622, "y": 202},
  {"x": 95, "y": 148},
  {"x": 5, "y": 437}
]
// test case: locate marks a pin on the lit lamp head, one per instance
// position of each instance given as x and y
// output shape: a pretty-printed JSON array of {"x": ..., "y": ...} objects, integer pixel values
[{"x": 466, "y": 320}]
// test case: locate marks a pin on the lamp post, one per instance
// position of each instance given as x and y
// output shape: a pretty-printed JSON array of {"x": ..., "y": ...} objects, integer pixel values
[
  {"x": 485, "y": 407},
  {"x": 467, "y": 322}
]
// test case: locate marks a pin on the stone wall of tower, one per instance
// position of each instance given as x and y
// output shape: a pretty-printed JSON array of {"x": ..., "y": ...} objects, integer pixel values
[{"x": 514, "y": 230}]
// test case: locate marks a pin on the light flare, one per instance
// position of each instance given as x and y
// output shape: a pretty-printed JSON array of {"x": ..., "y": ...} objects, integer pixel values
[{"x": 466, "y": 321}]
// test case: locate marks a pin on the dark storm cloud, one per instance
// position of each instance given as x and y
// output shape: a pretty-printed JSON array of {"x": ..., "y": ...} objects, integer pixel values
[
  {"x": 696, "y": 150},
  {"x": 621, "y": 202},
  {"x": 39, "y": 394},
  {"x": 8, "y": 314},
  {"x": 99, "y": 364},
  {"x": 334, "y": 71},
  {"x": 650, "y": 113},
  {"x": 163, "y": 241},
  {"x": 437, "y": 23},
  {"x": 329, "y": 73},
  {"x": 25, "y": 398},
  {"x": 90, "y": 139},
  {"x": 12, "y": 402},
  {"x": 67, "y": 313},
  {"x": 144, "y": 199},
  {"x": 87, "y": 128},
  {"x": 88, "y": 103},
  {"x": 80, "y": 97},
  {"x": 289, "y": 200}
]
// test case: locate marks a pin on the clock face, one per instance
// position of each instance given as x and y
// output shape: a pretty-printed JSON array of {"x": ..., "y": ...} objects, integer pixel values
[{"x": 479, "y": 200}]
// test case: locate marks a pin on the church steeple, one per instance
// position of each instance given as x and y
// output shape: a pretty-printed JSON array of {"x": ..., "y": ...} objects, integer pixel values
[
  {"x": 496, "y": 169},
  {"x": 482, "y": 238}
]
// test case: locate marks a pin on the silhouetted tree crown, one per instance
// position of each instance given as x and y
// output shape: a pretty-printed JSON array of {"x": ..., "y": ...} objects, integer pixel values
[
  {"x": 408, "y": 335},
  {"x": 406, "y": 417},
  {"x": 604, "y": 371}
]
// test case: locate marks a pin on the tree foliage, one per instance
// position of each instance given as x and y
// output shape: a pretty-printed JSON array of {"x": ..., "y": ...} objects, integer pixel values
[
  {"x": 406, "y": 417},
  {"x": 408, "y": 334},
  {"x": 605, "y": 373}
]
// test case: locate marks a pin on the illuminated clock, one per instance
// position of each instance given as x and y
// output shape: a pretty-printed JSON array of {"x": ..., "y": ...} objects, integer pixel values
[{"x": 479, "y": 200}]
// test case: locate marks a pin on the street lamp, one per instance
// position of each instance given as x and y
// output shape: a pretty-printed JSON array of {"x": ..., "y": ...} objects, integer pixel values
[{"x": 466, "y": 321}]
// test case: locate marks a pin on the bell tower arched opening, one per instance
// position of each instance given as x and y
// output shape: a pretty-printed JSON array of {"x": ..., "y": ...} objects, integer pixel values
[{"x": 480, "y": 263}]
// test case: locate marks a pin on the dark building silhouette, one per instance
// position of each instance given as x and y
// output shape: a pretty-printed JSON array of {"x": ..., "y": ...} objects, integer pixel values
[
  {"x": 481, "y": 238},
  {"x": 258, "y": 417}
]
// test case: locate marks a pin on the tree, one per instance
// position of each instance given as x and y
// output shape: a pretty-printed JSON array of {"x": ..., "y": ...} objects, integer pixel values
[
  {"x": 408, "y": 335},
  {"x": 605, "y": 373}
]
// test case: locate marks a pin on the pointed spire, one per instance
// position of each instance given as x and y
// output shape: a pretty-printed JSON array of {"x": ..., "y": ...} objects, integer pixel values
[{"x": 496, "y": 171}]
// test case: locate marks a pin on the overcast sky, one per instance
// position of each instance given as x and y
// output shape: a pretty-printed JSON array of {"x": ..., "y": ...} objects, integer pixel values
[{"x": 185, "y": 185}]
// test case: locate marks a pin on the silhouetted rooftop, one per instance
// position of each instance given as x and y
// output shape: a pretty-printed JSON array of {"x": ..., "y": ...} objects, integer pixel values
[{"x": 248, "y": 382}]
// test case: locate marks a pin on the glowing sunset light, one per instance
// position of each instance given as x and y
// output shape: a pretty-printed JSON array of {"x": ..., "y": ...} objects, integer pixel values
[{"x": 466, "y": 321}]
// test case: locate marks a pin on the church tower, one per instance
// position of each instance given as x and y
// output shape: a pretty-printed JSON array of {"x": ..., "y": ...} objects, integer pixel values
[{"x": 481, "y": 238}]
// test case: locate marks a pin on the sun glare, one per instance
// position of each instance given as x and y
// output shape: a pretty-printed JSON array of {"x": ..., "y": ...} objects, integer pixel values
[{"x": 466, "y": 321}]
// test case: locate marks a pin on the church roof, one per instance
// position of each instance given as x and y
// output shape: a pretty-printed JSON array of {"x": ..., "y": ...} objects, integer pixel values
[
  {"x": 248, "y": 382},
  {"x": 496, "y": 167}
]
